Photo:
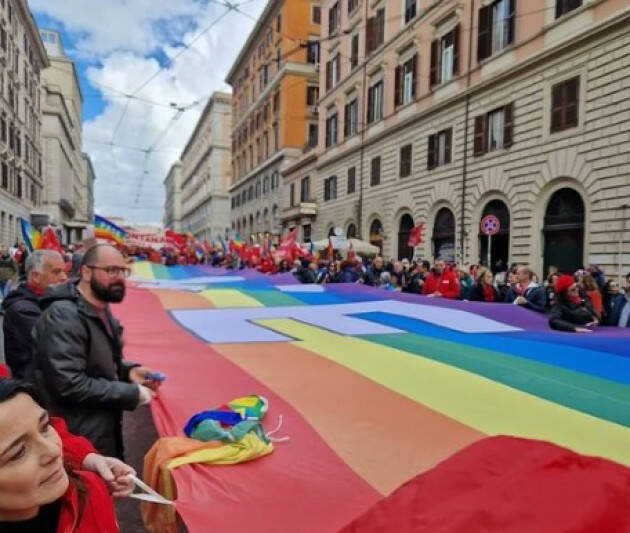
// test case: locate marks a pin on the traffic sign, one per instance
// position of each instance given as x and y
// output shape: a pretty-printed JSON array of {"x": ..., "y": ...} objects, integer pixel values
[{"x": 490, "y": 225}]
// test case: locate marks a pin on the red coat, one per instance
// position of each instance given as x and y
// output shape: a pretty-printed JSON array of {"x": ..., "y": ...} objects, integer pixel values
[
  {"x": 96, "y": 514},
  {"x": 446, "y": 284}
]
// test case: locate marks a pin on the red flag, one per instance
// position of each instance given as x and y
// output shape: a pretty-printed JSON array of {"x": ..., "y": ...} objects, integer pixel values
[
  {"x": 415, "y": 237},
  {"x": 330, "y": 249},
  {"x": 176, "y": 239},
  {"x": 352, "y": 255},
  {"x": 51, "y": 241}
]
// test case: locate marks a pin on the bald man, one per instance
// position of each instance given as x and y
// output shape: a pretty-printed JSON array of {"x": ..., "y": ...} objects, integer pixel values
[{"x": 79, "y": 352}]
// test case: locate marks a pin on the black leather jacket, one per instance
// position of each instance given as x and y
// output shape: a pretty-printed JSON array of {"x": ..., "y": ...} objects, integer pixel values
[{"x": 81, "y": 369}]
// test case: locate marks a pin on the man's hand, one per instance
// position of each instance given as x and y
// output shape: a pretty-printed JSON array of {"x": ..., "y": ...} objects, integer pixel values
[
  {"x": 583, "y": 330},
  {"x": 114, "y": 472},
  {"x": 593, "y": 323},
  {"x": 138, "y": 374},
  {"x": 521, "y": 301},
  {"x": 146, "y": 395}
]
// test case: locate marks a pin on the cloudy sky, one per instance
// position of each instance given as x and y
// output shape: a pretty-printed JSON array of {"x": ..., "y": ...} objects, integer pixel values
[{"x": 119, "y": 45}]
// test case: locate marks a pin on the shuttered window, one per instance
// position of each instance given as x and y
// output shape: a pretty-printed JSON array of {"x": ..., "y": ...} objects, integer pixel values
[
  {"x": 351, "y": 185},
  {"x": 494, "y": 130},
  {"x": 565, "y": 98},
  {"x": 351, "y": 118},
  {"x": 445, "y": 57},
  {"x": 564, "y": 6},
  {"x": 375, "y": 31},
  {"x": 375, "y": 171},
  {"x": 405, "y": 82},
  {"x": 496, "y": 28},
  {"x": 331, "y": 130},
  {"x": 439, "y": 148},
  {"x": 375, "y": 102},
  {"x": 405, "y": 161}
]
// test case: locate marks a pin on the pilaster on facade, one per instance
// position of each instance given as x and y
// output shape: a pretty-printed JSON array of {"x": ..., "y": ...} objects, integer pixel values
[
  {"x": 445, "y": 112},
  {"x": 172, "y": 198}
]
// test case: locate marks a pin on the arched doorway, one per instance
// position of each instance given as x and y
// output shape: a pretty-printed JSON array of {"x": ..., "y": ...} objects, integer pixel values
[
  {"x": 564, "y": 231},
  {"x": 444, "y": 235},
  {"x": 500, "y": 250},
  {"x": 404, "y": 230},
  {"x": 351, "y": 233},
  {"x": 331, "y": 232},
  {"x": 376, "y": 234}
]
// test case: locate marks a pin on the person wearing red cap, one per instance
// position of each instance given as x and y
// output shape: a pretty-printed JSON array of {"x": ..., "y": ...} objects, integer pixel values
[{"x": 571, "y": 313}]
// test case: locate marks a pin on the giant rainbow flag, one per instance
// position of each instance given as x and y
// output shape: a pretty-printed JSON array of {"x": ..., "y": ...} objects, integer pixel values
[{"x": 374, "y": 387}]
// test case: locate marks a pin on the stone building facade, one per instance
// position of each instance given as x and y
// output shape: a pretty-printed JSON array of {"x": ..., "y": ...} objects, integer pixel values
[
  {"x": 275, "y": 91},
  {"x": 173, "y": 198},
  {"x": 66, "y": 195},
  {"x": 206, "y": 172},
  {"x": 22, "y": 58},
  {"x": 445, "y": 112}
]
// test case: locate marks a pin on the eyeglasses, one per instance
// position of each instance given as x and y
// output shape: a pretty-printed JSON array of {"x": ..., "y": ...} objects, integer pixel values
[{"x": 113, "y": 271}]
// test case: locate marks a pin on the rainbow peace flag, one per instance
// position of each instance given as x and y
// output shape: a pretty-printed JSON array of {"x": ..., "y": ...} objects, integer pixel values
[
  {"x": 32, "y": 237},
  {"x": 374, "y": 387},
  {"x": 105, "y": 229}
]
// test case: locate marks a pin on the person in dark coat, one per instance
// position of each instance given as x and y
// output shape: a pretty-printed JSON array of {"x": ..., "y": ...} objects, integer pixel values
[
  {"x": 527, "y": 293},
  {"x": 571, "y": 312},
  {"x": 374, "y": 271},
  {"x": 484, "y": 290},
  {"x": 44, "y": 268},
  {"x": 79, "y": 353}
]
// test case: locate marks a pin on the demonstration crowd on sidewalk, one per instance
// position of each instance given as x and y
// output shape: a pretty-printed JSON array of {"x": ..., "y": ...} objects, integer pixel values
[{"x": 66, "y": 382}]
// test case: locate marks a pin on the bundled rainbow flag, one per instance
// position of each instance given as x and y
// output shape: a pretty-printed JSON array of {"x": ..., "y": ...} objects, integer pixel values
[
  {"x": 105, "y": 229},
  {"x": 32, "y": 237}
]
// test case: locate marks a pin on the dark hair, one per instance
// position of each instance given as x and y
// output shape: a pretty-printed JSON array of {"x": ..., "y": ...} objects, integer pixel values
[
  {"x": 10, "y": 388},
  {"x": 426, "y": 265}
]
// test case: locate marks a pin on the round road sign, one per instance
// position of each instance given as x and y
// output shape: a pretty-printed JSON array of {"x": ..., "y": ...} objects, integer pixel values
[{"x": 490, "y": 225}]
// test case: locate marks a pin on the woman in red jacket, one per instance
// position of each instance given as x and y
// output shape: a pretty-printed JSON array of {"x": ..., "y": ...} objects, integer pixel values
[{"x": 42, "y": 488}]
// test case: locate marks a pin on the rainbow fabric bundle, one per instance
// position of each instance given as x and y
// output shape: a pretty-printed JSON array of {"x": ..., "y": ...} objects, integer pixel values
[{"x": 375, "y": 388}]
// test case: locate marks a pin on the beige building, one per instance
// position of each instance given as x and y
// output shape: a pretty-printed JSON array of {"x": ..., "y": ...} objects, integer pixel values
[
  {"x": 206, "y": 172},
  {"x": 22, "y": 57},
  {"x": 275, "y": 91},
  {"x": 90, "y": 178},
  {"x": 66, "y": 194},
  {"x": 173, "y": 198},
  {"x": 443, "y": 112},
  {"x": 299, "y": 187}
]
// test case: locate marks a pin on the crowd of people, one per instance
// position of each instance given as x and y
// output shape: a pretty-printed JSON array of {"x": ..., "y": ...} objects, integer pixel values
[{"x": 67, "y": 383}]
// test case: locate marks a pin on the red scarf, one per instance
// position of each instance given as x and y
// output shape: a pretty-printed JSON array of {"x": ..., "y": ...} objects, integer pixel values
[
  {"x": 35, "y": 289},
  {"x": 488, "y": 293},
  {"x": 574, "y": 298}
]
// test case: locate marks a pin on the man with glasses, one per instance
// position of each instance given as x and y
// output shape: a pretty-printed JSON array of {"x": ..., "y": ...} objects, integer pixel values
[{"x": 79, "y": 353}]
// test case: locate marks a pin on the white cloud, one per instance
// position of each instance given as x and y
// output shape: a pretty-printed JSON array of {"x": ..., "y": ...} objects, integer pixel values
[{"x": 122, "y": 41}]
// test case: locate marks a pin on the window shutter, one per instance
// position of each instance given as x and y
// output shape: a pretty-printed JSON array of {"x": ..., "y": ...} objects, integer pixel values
[
  {"x": 431, "y": 153},
  {"x": 508, "y": 125},
  {"x": 456, "y": 50},
  {"x": 480, "y": 135},
  {"x": 448, "y": 145},
  {"x": 328, "y": 132},
  {"x": 510, "y": 21},
  {"x": 370, "y": 105},
  {"x": 328, "y": 75},
  {"x": 370, "y": 34},
  {"x": 338, "y": 68},
  {"x": 346, "y": 120},
  {"x": 572, "y": 99},
  {"x": 398, "y": 86},
  {"x": 435, "y": 71},
  {"x": 414, "y": 69},
  {"x": 483, "y": 35},
  {"x": 557, "y": 101}
]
